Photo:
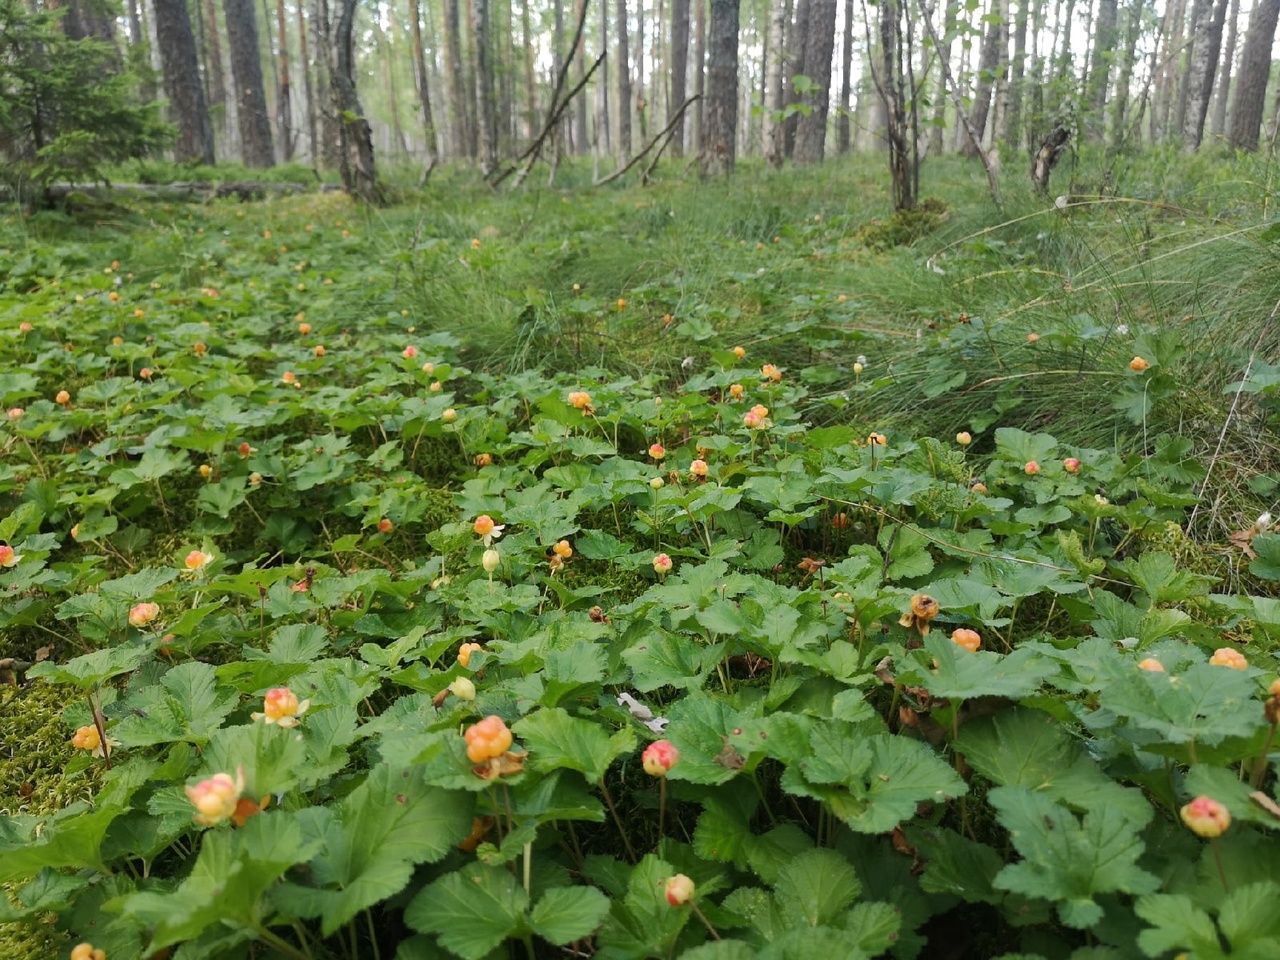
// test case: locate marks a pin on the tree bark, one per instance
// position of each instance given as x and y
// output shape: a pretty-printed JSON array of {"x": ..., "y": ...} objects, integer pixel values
[
  {"x": 1218, "y": 127},
  {"x": 719, "y": 148},
  {"x": 773, "y": 133},
  {"x": 700, "y": 107},
  {"x": 1104, "y": 44},
  {"x": 623, "y": 69},
  {"x": 679, "y": 70},
  {"x": 937, "y": 132},
  {"x": 356, "y": 161},
  {"x": 421, "y": 81},
  {"x": 459, "y": 122},
  {"x": 308, "y": 89},
  {"x": 796, "y": 46},
  {"x": 1197, "y": 25},
  {"x": 138, "y": 47},
  {"x": 602, "y": 88},
  {"x": 1203, "y": 67},
  {"x": 182, "y": 86},
  {"x": 530, "y": 87},
  {"x": 1120, "y": 102},
  {"x": 486, "y": 105},
  {"x": 891, "y": 83},
  {"x": 283, "y": 113},
  {"x": 215, "y": 79},
  {"x": 843, "y": 140},
  {"x": 246, "y": 71},
  {"x": 579, "y": 68},
  {"x": 811, "y": 131},
  {"x": 988, "y": 60},
  {"x": 1017, "y": 76},
  {"x": 1255, "y": 70}
]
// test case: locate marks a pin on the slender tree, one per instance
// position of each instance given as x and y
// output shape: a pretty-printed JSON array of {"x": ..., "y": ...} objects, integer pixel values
[
  {"x": 422, "y": 81},
  {"x": 679, "y": 69},
  {"x": 182, "y": 84},
  {"x": 1017, "y": 74},
  {"x": 308, "y": 90},
  {"x": 846, "y": 82},
  {"x": 1255, "y": 69},
  {"x": 579, "y": 71},
  {"x": 356, "y": 161},
  {"x": 1104, "y": 44},
  {"x": 139, "y": 51},
  {"x": 937, "y": 130},
  {"x": 811, "y": 130},
  {"x": 1218, "y": 126},
  {"x": 1200, "y": 75},
  {"x": 455, "y": 89},
  {"x": 486, "y": 105},
  {"x": 246, "y": 71},
  {"x": 988, "y": 61},
  {"x": 774, "y": 148},
  {"x": 284, "y": 118},
  {"x": 623, "y": 70},
  {"x": 530, "y": 88},
  {"x": 1124, "y": 77},
  {"x": 795, "y": 68},
  {"x": 719, "y": 146},
  {"x": 699, "y": 72}
]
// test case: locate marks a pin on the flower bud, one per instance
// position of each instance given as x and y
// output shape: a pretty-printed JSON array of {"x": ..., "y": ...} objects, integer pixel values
[
  {"x": 490, "y": 560},
  {"x": 656, "y": 483},
  {"x": 463, "y": 689},
  {"x": 679, "y": 890},
  {"x": 449, "y": 416},
  {"x": 1206, "y": 817},
  {"x": 659, "y": 757}
]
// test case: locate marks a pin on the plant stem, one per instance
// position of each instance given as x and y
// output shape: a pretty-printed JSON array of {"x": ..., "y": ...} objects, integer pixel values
[
  {"x": 1260, "y": 764},
  {"x": 622, "y": 831},
  {"x": 705, "y": 922},
  {"x": 1217, "y": 858},
  {"x": 284, "y": 946}
]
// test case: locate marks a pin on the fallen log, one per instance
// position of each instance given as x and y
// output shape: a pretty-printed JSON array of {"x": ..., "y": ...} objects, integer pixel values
[{"x": 192, "y": 190}]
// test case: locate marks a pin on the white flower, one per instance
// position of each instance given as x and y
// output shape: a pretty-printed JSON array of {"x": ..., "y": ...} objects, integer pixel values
[
  {"x": 862, "y": 359},
  {"x": 1122, "y": 329},
  {"x": 1263, "y": 523},
  {"x": 1061, "y": 202}
]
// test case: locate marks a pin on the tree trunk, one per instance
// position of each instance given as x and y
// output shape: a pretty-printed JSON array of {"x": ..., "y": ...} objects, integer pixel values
[
  {"x": 138, "y": 48},
  {"x": 679, "y": 70},
  {"x": 811, "y": 131},
  {"x": 530, "y": 87},
  {"x": 1104, "y": 44},
  {"x": 1120, "y": 102},
  {"x": 486, "y": 105},
  {"x": 421, "y": 81},
  {"x": 846, "y": 82},
  {"x": 579, "y": 69},
  {"x": 215, "y": 79},
  {"x": 1200, "y": 75},
  {"x": 1255, "y": 70},
  {"x": 1045, "y": 158},
  {"x": 356, "y": 162},
  {"x": 283, "y": 113},
  {"x": 795, "y": 67},
  {"x": 383, "y": 46},
  {"x": 1017, "y": 77},
  {"x": 773, "y": 145},
  {"x": 988, "y": 60},
  {"x": 246, "y": 72},
  {"x": 623, "y": 69},
  {"x": 701, "y": 107},
  {"x": 459, "y": 121},
  {"x": 1169, "y": 68},
  {"x": 308, "y": 88},
  {"x": 719, "y": 148},
  {"x": 1219, "y": 125},
  {"x": 1197, "y": 26},
  {"x": 937, "y": 132},
  {"x": 471, "y": 78},
  {"x": 891, "y": 82},
  {"x": 187, "y": 106},
  {"x": 602, "y": 88},
  {"x": 999, "y": 122}
]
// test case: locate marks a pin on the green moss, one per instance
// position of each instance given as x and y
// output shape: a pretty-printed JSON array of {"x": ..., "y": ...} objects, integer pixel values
[
  {"x": 36, "y": 749},
  {"x": 904, "y": 227}
]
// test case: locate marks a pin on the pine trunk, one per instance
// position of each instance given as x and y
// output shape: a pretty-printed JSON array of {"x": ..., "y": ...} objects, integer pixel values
[
  {"x": 486, "y": 104},
  {"x": 1255, "y": 70},
  {"x": 1218, "y": 126},
  {"x": 795, "y": 67},
  {"x": 719, "y": 148},
  {"x": 579, "y": 70},
  {"x": 530, "y": 88},
  {"x": 679, "y": 69},
  {"x": 811, "y": 131},
  {"x": 283, "y": 114},
  {"x": 421, "y": 80},
  {"x": 246, "y": 72},
  {"x": 623, "y": 68},
  {"x": 215, "y": 79},
  {"x": 356, "y": 161},
  {"x": 308, "y": 88},
  {"x": 846, "y": 82},
  {"x": 699, "y": 72},
  {"x": 187, "y": 106},
  {"x": 1017, "y": 76}
]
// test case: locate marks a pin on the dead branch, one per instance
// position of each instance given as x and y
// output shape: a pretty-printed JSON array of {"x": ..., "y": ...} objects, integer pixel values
[{"x": 669, "y": 128}]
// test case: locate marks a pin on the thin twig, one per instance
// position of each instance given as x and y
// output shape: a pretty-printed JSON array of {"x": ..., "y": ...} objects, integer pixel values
[{"x": 649, "y": 146}]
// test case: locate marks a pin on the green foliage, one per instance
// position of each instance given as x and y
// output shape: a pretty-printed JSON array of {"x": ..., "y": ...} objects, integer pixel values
[
  {"x": 847, "y": 785},
  {"x": 67, "y": 110}
]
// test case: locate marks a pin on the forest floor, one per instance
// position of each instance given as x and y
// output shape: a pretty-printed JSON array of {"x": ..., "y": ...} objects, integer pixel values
[{"x": 281, "y": 421}]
